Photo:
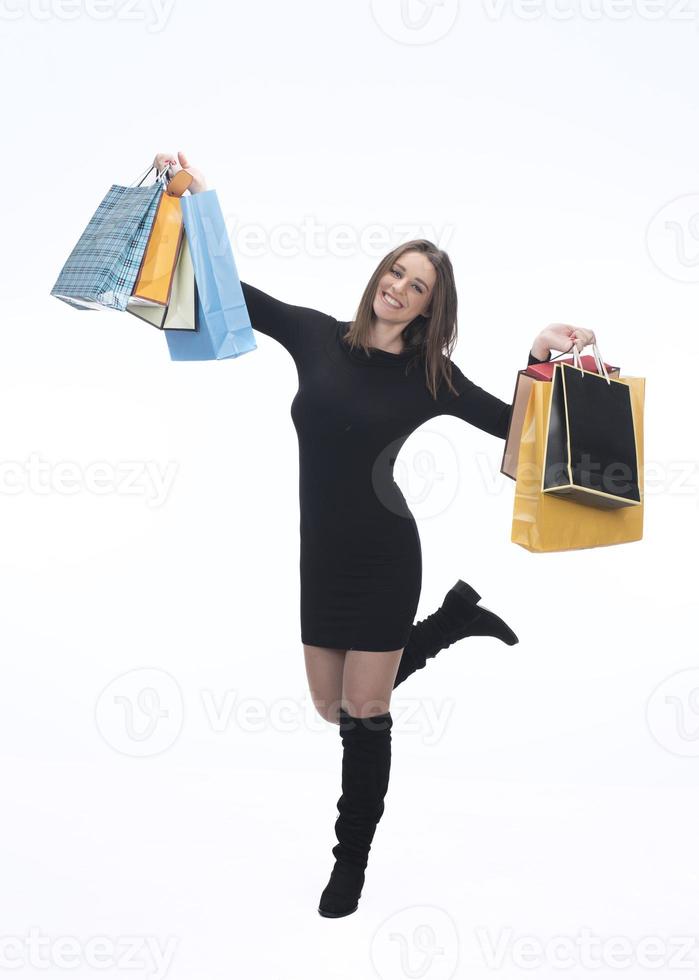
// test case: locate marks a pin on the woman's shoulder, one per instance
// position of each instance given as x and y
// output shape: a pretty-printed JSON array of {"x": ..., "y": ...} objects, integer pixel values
[{"x": 298, "y": 328}]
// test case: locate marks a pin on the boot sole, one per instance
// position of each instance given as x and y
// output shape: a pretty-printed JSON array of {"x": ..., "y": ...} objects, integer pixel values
[
  {"x": 338, "y": 915},
  {"x": 467, "y": 592},
  {"x": 511, "y": 637}
]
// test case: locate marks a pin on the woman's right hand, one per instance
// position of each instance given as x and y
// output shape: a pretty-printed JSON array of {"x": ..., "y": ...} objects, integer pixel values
[
  {"x": 563, "y": 337},
  {"x": 180, "y": 162}
]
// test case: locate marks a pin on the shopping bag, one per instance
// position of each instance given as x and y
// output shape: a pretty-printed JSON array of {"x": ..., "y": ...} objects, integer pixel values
[
  {"x": 180, "y": 312},
  {"x": 157, "y": 269},
  {"x": 101, "y": 270},
  {"x": 520, "y": 400},
  {"x": 544, "y": 522},
  {"x": 591, "y": 443},
  {"x": 164, "y": 289},
  {"x": 223, "y": 327}
]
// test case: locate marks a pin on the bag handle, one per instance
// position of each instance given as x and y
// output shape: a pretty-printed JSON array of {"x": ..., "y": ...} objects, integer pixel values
[
  {"x": 158, "y": 176},
  {"x": 602, "y": 369},
  {"x": 577, "y": 361}
]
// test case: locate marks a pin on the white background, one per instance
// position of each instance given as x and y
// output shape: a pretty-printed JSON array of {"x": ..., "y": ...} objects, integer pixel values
[{"x": 545, "y": 789}]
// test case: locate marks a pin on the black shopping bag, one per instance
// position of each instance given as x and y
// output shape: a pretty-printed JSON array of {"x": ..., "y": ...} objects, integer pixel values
[{"x": 591, "y": 454}]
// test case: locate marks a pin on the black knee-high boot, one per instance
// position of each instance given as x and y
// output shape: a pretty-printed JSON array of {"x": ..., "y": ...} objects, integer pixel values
[
  {"x": 458, "y": 616},
  {"x": 366, "y": 764}
]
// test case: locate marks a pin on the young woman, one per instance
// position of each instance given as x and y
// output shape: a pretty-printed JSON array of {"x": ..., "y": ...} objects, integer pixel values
[{"x": 364, "y": 387}]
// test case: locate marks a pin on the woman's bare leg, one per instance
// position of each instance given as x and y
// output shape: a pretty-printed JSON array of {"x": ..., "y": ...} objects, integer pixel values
[
  {"x": 367, "y": 681},
  {"x": 324, "y": 670}
]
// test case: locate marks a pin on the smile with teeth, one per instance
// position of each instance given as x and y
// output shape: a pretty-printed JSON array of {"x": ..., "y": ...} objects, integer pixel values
[{"x": 392, "y": 302}]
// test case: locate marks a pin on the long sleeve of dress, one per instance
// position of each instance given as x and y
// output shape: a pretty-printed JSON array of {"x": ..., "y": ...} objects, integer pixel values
[
  {"x": 479, "y": 407},
  {"x": 273, "y": 317}
]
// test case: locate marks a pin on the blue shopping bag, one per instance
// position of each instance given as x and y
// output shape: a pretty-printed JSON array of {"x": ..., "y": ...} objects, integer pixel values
[
  {"x": 102, "y": 269},
  {"x": 223, "y": 327}
]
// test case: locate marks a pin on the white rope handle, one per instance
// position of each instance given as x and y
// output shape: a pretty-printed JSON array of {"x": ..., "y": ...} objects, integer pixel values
[{"x": 601, "y": 369}]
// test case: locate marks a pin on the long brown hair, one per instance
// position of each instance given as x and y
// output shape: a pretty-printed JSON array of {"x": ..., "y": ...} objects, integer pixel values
[{"x": 432, "y": 337}]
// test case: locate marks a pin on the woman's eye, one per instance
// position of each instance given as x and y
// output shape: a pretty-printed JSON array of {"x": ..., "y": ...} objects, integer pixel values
[{"x": 395, "y": 272}]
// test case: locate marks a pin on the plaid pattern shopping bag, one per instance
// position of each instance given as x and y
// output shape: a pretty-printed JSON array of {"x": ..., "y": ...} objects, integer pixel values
[{"x": 102, "y": 268}]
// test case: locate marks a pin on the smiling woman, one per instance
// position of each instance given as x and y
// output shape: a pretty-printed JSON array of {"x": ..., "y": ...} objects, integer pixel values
[
  {"x": 360, "y": 558},
  {"x": 364, "y": 386}
]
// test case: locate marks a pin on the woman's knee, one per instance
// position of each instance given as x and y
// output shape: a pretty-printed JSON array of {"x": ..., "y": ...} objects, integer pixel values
[
  {"x": 329, "y": 710},
  {"x": 368, "y": 681}
]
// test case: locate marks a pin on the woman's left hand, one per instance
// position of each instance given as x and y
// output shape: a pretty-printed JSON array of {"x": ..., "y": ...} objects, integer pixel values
[{"x": 562, "y": 337}]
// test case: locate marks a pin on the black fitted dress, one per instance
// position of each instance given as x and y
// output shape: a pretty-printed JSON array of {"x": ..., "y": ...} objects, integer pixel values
[{"x": 360, "y": 555}]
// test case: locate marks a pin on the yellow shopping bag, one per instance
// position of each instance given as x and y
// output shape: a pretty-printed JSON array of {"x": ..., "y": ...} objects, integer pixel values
[
  {"x": 160, "y": 258},
  {"x": 544, "y": 522},
  {"x": 157, "y": 271},
  {"x": 164, "y": 293}
]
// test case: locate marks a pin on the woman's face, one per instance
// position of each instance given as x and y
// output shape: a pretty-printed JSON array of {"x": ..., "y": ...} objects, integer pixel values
[{"x": 406, "y": 289}]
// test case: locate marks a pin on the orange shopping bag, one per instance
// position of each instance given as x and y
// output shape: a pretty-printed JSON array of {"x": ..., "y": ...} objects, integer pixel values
[{"x": 152, "y": 291}]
